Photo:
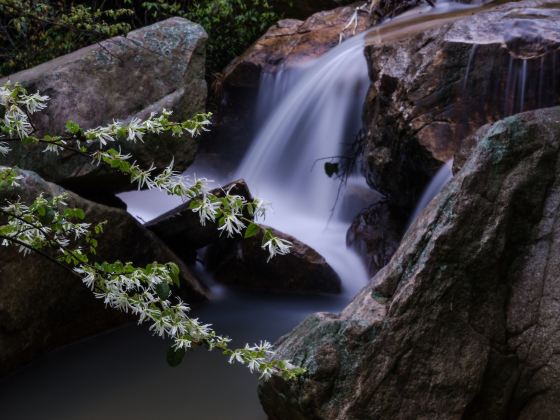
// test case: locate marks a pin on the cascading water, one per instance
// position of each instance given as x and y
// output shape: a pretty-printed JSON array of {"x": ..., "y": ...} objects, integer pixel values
[
  {"x": 318, "y": 114},
  {"x": 437, "y": 183}
]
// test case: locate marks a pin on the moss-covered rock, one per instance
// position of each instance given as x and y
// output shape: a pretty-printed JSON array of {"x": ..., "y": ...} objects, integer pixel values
[{"x": 463, "y": 321}]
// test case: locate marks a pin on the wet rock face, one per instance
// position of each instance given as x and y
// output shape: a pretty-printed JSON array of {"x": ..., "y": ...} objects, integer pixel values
[
  {"x": 431, "y": 89},
  {"x": 463, "y": 321},
  {"x": 156, "y": 67},
  {"x": 242, "y": 263},
  {"x": 375, "y": 234},
  {"x": 291, "y": 42},
  {"x": 43, "y": 306}
]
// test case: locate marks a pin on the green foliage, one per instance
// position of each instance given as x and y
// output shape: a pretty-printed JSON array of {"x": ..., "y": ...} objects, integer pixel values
[
  {"x": 232, "y": 25},
  {"x": 331, "y": 168},
  {"x": 251, "y": 231},
  {"x": 32, "y": 32},
  {"x": 175, "y": 356}
]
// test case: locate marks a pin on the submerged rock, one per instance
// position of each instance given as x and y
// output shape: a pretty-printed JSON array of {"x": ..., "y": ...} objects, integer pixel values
[
  {"x": 43, "y": 306},
  {"x": 159, "y": 66},
  {"x": 244, "y": 263},
  {"x": 463, "y": 321},
  {"x": 434, "y": 85}
]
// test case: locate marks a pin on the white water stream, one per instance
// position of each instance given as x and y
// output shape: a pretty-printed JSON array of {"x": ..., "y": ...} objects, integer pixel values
[{"x": 319, "y": 112}]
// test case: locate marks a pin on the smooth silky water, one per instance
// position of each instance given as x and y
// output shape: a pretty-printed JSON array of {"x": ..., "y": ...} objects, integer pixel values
[{"x": 305, "y": 115}]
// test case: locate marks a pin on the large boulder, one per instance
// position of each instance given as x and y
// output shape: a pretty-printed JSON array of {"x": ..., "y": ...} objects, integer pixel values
[
  {"x": 243, "y": 263},
  {"x": 159, "y": 66},
  {"x": 437, "y": 82},
  {"x": 463, "y": 321},
  {"x": 43, "y": 306}
]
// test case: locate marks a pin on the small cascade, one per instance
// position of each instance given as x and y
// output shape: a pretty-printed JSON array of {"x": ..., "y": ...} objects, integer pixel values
[
  {"x": 522, "y": 85},
  {"x": 319, "y": 112},
  {"x": 530, "y": 84},
  {"x": 440, "y": 179},
  {"x": 469, "y": 65}
]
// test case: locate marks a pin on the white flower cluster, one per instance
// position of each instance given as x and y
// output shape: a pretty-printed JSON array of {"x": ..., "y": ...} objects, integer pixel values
[
  {"x": 207, "y": 208},
  {"x": 9, "y": 178},
  {"x": 18, "y": 106},
  {"x": 257, "y": 358},
  {"x": 137, "y": 292},
  {"x": 232, "y": 219},
  {"x": 25, "y": 225},
  {"x": 277, "y": 246},
  {"x": 133, "y": 131},
  {"x": 4, "y": 148}
]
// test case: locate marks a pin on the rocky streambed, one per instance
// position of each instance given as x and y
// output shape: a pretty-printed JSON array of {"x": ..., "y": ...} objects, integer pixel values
[{"x": 457, "y": 311}]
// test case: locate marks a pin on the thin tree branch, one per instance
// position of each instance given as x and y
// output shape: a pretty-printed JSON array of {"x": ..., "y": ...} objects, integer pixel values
[{"x": 39, "y": 252}]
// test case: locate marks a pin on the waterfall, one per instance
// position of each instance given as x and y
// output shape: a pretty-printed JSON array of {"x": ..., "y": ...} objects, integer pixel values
[{"x": 312, "y": 113}]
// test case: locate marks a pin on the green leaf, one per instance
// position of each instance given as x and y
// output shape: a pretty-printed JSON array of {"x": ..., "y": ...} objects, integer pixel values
[
  {"x": 174, "y": 273},
  {"x": 251, "y": 230},
  {"x": 331, "y": 169},
  {"x": 122, "y": 133},
  {"x": 48, "y": 216},
  {"x": 79, "y": 214},
  {"x": 72, "y": 127},
  {"x": 194, "y": 204},
  {"x": 163, "y": 290},
  {"x": 268, "y": 235},
  {"x": 174, "y": 357}
]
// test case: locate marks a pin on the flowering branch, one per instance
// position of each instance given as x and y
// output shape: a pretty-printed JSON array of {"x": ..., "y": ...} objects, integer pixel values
[
  {"x": 145, "y": 292},
  {"x": 54, "y": 230}
]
